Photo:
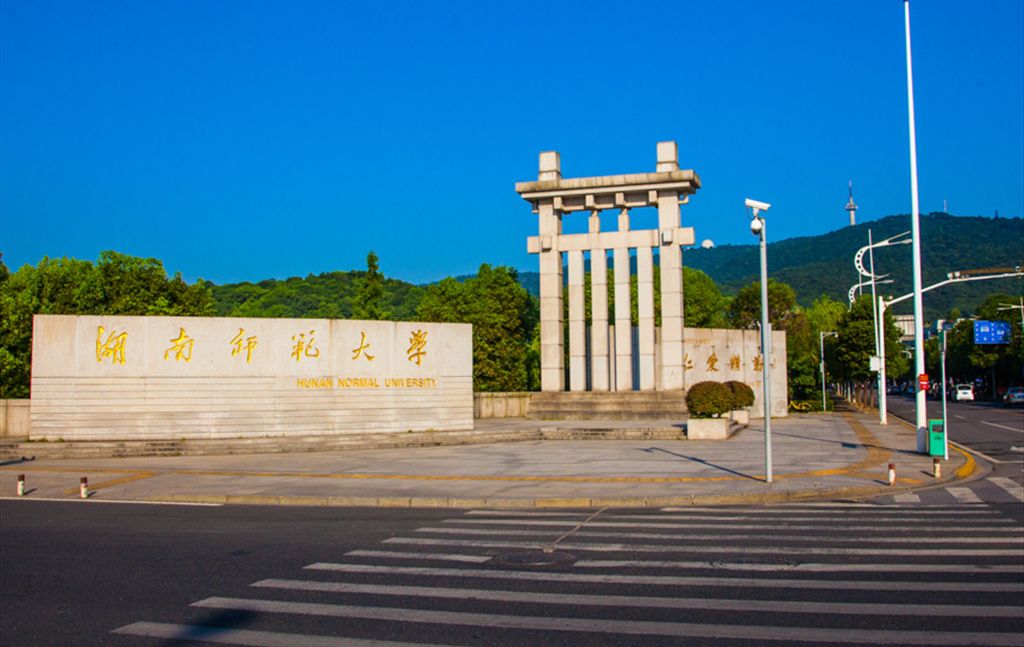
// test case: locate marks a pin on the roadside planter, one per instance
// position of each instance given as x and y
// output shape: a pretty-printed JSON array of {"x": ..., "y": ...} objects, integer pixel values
[
  {"x": 742, "y": 400},
  {"x": 709, "y": 404},
  {"x": 707, "y": 428}
]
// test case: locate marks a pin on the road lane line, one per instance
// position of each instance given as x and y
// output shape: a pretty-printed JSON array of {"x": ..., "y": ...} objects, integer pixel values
[
  {"x": 993, "y": 424},
  {"x": 91, "y": 500},
  {"x": 704, "y": 548},
  {"x": 886, "y": 538},
  {"x": 907, "y": 497},
  {"x": 649, "y": 602},
  {"x": 227, "y": 636},
  {"x": 1011, "y": 487},
  {"x": 881, "y": 524},
  {"x": 612, "y": 626},
  {"x": 964, "y": 495},
  {"x": 448, "y": 557},
  {"x": 673, "y": 580},
  {"x": 810, "y": 567}
]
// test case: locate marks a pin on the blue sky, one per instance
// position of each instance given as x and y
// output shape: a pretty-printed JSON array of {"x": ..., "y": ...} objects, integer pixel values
[{"x": 249, "y": 140}]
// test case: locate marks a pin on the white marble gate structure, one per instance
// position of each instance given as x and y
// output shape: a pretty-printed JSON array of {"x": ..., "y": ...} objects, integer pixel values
[{"x": 611, "y": 357}]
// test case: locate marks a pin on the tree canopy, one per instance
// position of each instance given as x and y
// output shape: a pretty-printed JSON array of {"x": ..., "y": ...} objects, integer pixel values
[{"x": 117, "y": 284}]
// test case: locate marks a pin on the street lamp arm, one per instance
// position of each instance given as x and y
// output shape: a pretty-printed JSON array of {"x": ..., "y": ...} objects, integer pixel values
[{"x": 956, "y": 278}]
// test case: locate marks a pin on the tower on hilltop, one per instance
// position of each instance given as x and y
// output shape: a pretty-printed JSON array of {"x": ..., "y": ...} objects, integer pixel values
[{"x": 851, "y": 207}]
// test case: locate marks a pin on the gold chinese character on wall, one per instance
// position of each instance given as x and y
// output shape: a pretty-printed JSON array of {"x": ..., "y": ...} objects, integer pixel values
[
  {"x": 113, "y": 348},
  {"x": 734, "y": 362},
  {"x": 712, "y": 363},
  {"x": 303, "y": 348},
  {"x": 417, "y": 346},
  {"x": 181, "y": 346},
  {"x": 238, "y": 344},
  {"x": 758, "y": 363},
  {"x": 687, "y": 362},
  {"x": 363, "y": 347}
]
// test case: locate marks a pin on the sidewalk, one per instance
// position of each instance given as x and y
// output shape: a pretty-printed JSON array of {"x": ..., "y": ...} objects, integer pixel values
[{"x": 815, "y": 456}]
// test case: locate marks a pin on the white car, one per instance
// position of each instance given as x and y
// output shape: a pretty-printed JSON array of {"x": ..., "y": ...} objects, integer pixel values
[{"x": 964, "y": 393}]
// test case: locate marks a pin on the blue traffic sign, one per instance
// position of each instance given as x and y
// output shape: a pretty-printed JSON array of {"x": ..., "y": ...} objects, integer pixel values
[{"x": 991, "y": 332}]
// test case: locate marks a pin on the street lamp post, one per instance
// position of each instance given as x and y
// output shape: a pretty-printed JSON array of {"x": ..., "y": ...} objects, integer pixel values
[
  {"x": 821, "y": 344},
  {"x": 757, "y": 227},
  {"x": 915, "y": 229}
]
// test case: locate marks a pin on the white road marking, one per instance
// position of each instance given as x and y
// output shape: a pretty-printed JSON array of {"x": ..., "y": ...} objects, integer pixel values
[
  {"x": 387, "y": 554},
  {"x": 77, "y": 499},
  {"x": 964, "y": 495},
  {"x": 612, "y": 626},
  {"x": 975, "y": 451},
  {"x": 1015, "y": 490},
  {"x": 993, "y": 424},
  {"x": 704, "y": 548},
  {"x": 807, "y": 566},
  {"x": 649, "y": 602},
  {"x": 886, "y": 538},
  {"x": 671, "y": 580},
  {"x": 960, "y": 525},
  {"x": 907, "y": 497},
  {"x": 226, "y": 636}
]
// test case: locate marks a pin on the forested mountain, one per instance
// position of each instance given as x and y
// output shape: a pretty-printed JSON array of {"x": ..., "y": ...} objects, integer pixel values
[
  {"x": 331, "y": 295},
  {"x": 817, "y": 265}
]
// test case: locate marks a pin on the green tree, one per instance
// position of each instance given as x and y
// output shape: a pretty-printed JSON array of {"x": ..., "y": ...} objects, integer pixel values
[
  {"x": 369, "y": 301},
  {"x": 503, "y": 316},
  {"x": 745, "y": 308},
  {"x": 117, "y": 284},
  {"x": 855, "y": 344}
]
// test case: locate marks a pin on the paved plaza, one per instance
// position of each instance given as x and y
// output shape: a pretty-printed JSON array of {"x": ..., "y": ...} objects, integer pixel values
[{"x": 815, "y": 456}]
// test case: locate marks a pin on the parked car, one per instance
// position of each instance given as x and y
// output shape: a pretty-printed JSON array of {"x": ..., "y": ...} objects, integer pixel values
[
  {"x": 964, "y": 393},
  {"x": 1014, "y": 396}
]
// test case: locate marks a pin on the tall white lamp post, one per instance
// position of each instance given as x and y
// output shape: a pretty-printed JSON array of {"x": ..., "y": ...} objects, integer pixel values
[
  {"x": 915, "y": 229},
  {"x": 821, "y": 345},
  {"x": 757, "y": 227}
]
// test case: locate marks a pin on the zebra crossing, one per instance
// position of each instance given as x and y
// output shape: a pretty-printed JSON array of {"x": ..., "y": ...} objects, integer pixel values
[
  {"x": 842, "y": 573},
  {"x": 993, "y": 489}
]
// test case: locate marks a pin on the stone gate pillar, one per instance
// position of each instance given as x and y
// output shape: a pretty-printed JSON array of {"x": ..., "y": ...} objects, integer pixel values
[{"x": 611, "y": 360}]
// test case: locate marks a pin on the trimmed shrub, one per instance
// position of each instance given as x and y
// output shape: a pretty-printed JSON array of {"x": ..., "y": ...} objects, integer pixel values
[
  {"x": 708, "y": 399},
  {"x": 742, "y": 394}
]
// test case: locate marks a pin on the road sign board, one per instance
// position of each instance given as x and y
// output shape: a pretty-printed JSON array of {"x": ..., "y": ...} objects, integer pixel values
[{"x": 991, "y": 332}]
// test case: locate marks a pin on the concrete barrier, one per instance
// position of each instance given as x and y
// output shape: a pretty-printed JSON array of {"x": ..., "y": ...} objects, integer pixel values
[
  {"x": 501, "y": 404},
  {"x": 15, "y": 418}
]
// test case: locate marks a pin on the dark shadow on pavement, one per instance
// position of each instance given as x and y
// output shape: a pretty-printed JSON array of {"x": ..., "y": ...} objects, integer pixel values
[{"x": 699, "y": 460}]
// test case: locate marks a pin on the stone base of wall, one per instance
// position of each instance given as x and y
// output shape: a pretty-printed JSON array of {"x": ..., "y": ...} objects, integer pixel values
[
  {"x": 15, "y": 418},
  {"x": 501, "y": 405}
]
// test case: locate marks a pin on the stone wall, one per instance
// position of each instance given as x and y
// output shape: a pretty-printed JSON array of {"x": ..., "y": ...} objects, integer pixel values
[
  {"x": 501, "y": 405},
  {"x": 112, "y": 377},
  {"x": 15, "y": 420}
]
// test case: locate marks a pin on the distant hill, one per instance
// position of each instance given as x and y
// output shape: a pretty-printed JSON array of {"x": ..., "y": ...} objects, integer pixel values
[
  {"x": 816, "y": 265},
  {"x": 812, "y": 265},
  {"x": 329, "y": 295}
]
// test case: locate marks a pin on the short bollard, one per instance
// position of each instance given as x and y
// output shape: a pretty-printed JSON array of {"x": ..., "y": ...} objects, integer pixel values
[
  {"x": 936, "y": 468},
  {"x": 83, "y": 489},
  {"x": 21, "y": 485},
  {"x": 892, "y": 474}
]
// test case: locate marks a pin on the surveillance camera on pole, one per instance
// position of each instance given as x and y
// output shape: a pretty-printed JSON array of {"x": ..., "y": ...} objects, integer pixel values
[{"x": 757, "y": 205}]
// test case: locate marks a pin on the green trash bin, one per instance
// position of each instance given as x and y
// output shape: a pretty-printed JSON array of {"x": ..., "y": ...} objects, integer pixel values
[{"x": 936, "y": 438}]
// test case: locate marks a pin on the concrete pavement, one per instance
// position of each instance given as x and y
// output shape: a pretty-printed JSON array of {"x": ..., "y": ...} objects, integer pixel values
[{"x": 815, "y": 456}]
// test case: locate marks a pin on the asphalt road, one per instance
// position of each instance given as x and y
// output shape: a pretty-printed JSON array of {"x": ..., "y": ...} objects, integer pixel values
[
  {"x": 986, "y": 427},
  {"x": 844, "y": 573}
]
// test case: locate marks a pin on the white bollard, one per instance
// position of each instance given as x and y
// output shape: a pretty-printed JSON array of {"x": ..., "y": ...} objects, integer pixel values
[
  {"x": 892, "y": 474},
  {"x": 21, "y": 485},
  {"x": 936, "y": 468},
  {"x": 83, "y": 489}
]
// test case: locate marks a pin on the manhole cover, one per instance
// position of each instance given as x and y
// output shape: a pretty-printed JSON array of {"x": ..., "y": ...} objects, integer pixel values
[
  {"x": 755, "y": 565},
  {"x": 534, "y": 559}
]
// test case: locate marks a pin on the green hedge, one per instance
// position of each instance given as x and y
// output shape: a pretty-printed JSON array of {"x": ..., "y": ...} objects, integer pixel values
[
  {"x": 709, "y": 399},
  {"x": 742, "y": 394}
]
